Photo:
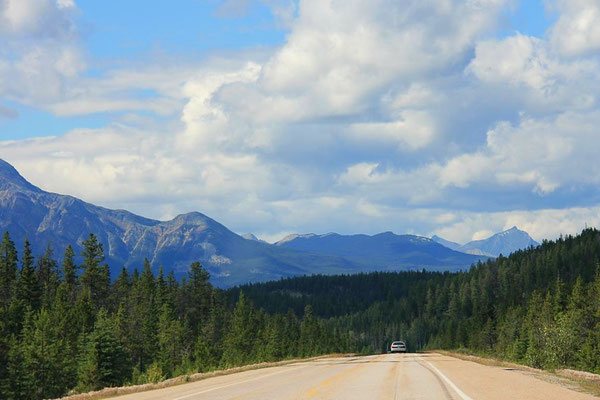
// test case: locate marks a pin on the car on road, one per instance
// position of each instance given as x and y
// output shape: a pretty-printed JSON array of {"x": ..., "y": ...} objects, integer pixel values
[{"x": 398, "y": 347}]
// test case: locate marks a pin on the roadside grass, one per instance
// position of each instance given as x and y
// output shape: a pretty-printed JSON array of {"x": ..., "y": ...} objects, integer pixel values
[
  {"x": 579, "y": 381},
  {"x": 180, "y": 380}
]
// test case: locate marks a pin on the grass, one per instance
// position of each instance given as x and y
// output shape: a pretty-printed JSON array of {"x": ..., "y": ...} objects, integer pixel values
[{"x": 123, "y": 390}]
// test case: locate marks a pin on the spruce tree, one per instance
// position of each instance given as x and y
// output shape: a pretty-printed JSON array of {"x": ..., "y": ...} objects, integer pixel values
[
  {"x": 8, "y": 269},
  {"x": 120, "y": 290},
  {"x": 69, "y": 268},
  {"x": 95, "y": 276},
  {"x": 45, "y": 354},
  {"x": 104, "y": 361},
  {"x": 48, "y": 276},
  {"x": 20, "y": 382},
  {"x": 28, "y": 287},
  {"x": 309, "y": 333},
  {"x": 196, "y": 297},
  {"x": 241, "y": 334}
]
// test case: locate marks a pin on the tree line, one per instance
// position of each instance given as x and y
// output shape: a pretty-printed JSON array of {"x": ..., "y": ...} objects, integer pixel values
[
  {"x": 538, "y": 306},
  {"x": 67, "y": 328}
]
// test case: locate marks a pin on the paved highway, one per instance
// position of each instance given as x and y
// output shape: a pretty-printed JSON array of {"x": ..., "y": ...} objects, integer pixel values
[{"x": 387, "y": 376}]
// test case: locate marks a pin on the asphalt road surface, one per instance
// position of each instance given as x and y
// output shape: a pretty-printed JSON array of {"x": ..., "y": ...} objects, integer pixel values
[{"x": 386, "y": 376}]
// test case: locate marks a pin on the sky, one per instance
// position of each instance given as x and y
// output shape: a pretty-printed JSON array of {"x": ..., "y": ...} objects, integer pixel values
[{"x": 459, "y": 118}]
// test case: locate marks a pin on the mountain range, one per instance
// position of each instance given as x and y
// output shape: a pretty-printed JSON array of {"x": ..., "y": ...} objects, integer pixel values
[
  {"x": 27, "y": 211},
  {"x": 503, "y": 243},
  {"x": 384, "y": 251}
]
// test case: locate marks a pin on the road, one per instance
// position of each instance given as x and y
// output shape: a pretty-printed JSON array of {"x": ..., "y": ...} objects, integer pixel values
[{"x": 386, "y": 376}]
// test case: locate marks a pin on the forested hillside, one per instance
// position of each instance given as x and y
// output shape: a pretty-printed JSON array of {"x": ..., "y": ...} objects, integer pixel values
[
  {"x": 539, "y": 306},
  {"x": 65, "y": 327}
]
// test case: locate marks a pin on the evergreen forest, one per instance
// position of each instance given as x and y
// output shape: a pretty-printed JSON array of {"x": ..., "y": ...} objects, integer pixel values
[
  {"x": 65, "y": 327},
  {"x": 539, "y": 306}
]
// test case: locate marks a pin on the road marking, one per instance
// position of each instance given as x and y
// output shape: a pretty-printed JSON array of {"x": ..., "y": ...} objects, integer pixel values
[
  {"x": 231, "y": 384},
  {"x": 329, "y": 381},
  {"x": 462, "y": 395}
]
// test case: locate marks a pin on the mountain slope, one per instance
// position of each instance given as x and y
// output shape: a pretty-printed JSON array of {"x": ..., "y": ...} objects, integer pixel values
[
  {"x": 27, "y": 211},
  {"x": 504, "y": 243},
  {"x": 446, "y": 243},
  {"x": 384, "y": 251},
  {"x": 49, "y": 218}
]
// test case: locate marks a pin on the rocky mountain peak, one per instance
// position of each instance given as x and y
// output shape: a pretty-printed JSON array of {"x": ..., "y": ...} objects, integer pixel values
[{"x": 11, "y": 179}]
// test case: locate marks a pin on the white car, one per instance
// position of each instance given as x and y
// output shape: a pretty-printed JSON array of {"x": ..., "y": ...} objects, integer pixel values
[{"x": 398, "y": 347}]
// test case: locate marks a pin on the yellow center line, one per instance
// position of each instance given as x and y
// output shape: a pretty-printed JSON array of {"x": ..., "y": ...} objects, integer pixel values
[{"x": 329, "y": 381}]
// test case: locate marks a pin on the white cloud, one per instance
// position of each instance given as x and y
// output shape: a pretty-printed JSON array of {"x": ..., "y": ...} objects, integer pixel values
[
  {"x": 336, "y": 58},
  {"x": 517, "y": 60},
  {"x": 40, "y": 51},
  {"x": 543, "y": 154},
  {"x": 414, "y": 131},
  {"x": 484, "y": 234},
  {"x": 65, "y": 3},
  {"x": 540, "y": 224},
  {"x": 372, "y": 116},
  {"x": 369, "y": 209},
  {"x": 540, "y": 78},
  {"x": 577, "y": 31}
]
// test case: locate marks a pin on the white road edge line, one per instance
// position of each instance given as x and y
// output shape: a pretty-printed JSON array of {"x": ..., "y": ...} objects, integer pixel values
[
  {"x": 231, "y": 384},
  {"x": 449, "y": 382}
]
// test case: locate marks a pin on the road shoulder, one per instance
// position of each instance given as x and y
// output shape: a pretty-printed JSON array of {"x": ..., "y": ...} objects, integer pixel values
[
  {"x": 579, "y": 381},
  {"x": 183, "y": 379}
]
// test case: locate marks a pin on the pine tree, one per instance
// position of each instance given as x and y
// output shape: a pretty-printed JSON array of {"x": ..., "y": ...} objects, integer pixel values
[
  {"x": 70, "y": 269},
  {"x": 28, "y": 289},
  {"x": 172, "y": 349},
  {"x": 309, "y": 333},
  {"x": 8, "y": 269},
  {"x": 273, "y": 347},
  {"x": 242, "y": 331},
  {"x": 95, "y": 276},
  {"x": 203, "y": 356},
  {"x": 104, "y": 362},
  {"x": 47, "y": 276},
  {"x": 20, "y": 382},
  {"x": 120, "y": 290},
  {"x": 45, "y": 354},
  {"x": 63, "y": 315},
  {"x": 146, "y": 314},
  {"x": 197, "y": 291},
  {"x": 84, "y": 311}
]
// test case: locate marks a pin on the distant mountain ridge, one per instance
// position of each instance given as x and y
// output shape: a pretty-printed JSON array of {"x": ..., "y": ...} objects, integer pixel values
[
  {"x": 505, "y": 243},
  {"x": 43, "y": 217},
  {"x": 447, "y": 243},
  {"x": 27, "y": 211},
  {"x": 383, "y": 251}
]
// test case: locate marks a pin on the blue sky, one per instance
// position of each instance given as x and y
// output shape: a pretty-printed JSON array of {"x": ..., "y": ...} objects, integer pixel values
[
  {"x": 115, "y": 32},
  {"x": 280, "y": 116}
]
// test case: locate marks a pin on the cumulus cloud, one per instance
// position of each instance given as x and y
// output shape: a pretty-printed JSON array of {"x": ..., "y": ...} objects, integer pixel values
[
  {"x": 41, "y": 49},
  {"x": 540, "y": 224},
  {"x": 372, "y": 116},
  {"x": 337, "y": 58},
  {"x": 577, "y": 31},
  {"x": 415, "y": 130},
  {"x": 531, "y": 69},
  {"x": 542, "y": 155}
]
